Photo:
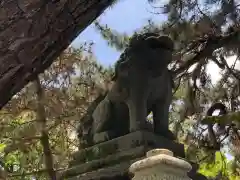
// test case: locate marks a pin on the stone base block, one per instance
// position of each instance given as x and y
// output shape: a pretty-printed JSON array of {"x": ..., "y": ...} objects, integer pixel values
[
  {"x": 129, "y": 141},
  {"x": 111, "y": 159}
]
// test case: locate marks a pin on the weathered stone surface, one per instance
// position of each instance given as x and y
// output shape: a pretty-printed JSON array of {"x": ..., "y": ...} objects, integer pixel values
[
  {"x": 94, "y": 162},
  {"x": 130, "y": 146},
  {"x": 129, "y": 141},
  {"x": 101, "y": 137},
  {"x": 37, "y": 32},
  {"x": 109, "y": 160},
  {"x": 115, "y": 172},
  {"x": 160, "y": 164}
]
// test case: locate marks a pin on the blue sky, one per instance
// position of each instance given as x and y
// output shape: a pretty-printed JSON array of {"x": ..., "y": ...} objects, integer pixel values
[{"x": 126, "y": 16}]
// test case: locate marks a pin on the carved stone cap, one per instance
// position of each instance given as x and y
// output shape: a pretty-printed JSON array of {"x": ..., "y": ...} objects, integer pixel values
[{"x": 162, "y": 157}]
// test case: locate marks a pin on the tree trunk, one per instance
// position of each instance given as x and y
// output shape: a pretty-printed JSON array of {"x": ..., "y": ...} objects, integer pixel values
[
  {"x": 34, "y": 32},
  {"x": 41, "y": 117}
]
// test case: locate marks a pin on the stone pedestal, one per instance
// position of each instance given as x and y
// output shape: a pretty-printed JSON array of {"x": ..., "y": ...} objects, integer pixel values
[
  {"x": 160, "y": 165},
  {"x": 112, "y": 159}
]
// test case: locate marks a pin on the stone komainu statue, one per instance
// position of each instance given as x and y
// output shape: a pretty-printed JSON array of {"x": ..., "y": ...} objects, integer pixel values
[{"x": 142, "y": 84}]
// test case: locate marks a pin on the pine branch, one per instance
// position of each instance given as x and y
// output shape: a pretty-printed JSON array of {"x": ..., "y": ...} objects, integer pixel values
[
  {"x": 227, "y": 119},
  {"x": 210, "y": 44},
  {"x": 114, "y": 39}
]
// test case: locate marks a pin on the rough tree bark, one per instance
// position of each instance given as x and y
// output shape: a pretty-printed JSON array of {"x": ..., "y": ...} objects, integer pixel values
[{"x": 34, "y": 32}]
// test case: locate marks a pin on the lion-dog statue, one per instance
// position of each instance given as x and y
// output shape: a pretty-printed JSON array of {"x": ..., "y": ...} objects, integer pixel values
[{"x": 142, "y": 84}]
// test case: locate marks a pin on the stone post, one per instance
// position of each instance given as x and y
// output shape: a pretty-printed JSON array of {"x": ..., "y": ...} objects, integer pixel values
[{"x": 160, "y": 165}]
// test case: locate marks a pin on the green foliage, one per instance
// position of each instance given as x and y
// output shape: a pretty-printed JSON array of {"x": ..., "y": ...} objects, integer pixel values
[
  {"x": 219, "y": 168},
  {"x": 214, "y": 168},
  {"x": 69, "y": 85}
]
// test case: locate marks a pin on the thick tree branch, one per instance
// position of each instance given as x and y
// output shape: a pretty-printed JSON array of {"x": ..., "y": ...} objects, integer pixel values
[{"x": 39, "y": 49}]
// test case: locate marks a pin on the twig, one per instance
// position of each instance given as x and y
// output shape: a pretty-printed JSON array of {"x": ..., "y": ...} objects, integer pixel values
[{"x": 230, "y": 69}]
